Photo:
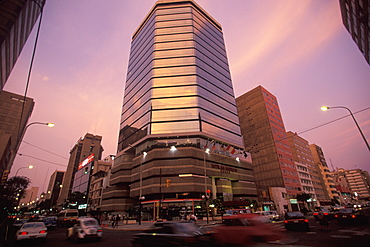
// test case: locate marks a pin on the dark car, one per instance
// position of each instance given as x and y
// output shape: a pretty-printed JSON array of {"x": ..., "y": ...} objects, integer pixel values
[
  {"x": 172, "y": 233},
  {"x": 350, "y": 215},
  {"x": 50, "y": 222},
  {"x": 296, "y": 220},
  {"x": 327, "y": 214}
]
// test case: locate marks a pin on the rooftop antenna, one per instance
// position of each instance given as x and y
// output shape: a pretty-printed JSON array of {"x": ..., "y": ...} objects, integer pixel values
[{"x": 331, "y": 163}]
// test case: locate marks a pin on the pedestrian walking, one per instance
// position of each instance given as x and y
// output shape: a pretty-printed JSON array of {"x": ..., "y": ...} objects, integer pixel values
[
  {"x": 113, "y": 220},
  {"x": 323, "y": 221},
  {"x": 117, "y": 220}
]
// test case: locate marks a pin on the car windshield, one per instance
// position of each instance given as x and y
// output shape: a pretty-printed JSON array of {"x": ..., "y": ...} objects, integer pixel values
[
  {"x": 31, "y": 225},
  {"x": 294, "y": 214},
  {"x": 91, "y": 222},
  {"x": 346, "y": 210}
]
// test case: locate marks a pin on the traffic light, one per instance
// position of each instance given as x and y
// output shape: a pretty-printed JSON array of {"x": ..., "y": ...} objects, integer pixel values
[
  {"x": 168, "y": 182},
  {"x": 208, "y": 193}
]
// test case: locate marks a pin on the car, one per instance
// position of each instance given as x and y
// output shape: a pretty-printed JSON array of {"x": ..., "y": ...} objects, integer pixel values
[
  {"x": 296, "y": 220},
  {"x": 350, "y": 215},
  {"x": 328, "y": 215},
  {"x": 19, "y": 222},
  {"x": 85, "y": 228},
  {"x": 50, "y": 221},
  {"x": 269, "y": 215},
  {"x": 173, "y": 233},
  {"x": 247, "y": 229},
  {"x": 31, "y": 230}
]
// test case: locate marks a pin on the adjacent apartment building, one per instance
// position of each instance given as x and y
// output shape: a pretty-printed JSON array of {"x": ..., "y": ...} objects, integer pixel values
[
  {"x": 327, "y": 178},
  {"x": 265, "y": 138},
  {"x": 358, "y": 181},
  {"x": 179, "y": 139},
  {"x": 309, "y": 176}
]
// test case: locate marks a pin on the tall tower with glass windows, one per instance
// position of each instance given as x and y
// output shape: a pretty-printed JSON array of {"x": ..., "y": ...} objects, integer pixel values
[{"x": 179, "y": 134}]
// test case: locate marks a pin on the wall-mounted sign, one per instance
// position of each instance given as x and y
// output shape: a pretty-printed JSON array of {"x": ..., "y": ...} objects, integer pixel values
[
  {"x": 86, "y": 161},
  {"x": 293, "y": 201},
  {"x": 224, "y": 169}
]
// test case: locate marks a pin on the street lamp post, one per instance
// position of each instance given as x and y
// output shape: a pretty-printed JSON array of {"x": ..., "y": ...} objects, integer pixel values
[
  {"x": 205, "y": 183},
  {"x": 325, "y": 108},
  {"x": 29, "y": 167},
  {"x": 141, "y": 197}
]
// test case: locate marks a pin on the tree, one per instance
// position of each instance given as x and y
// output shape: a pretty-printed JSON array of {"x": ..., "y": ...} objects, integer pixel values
[{"x": 14, "y": 189}]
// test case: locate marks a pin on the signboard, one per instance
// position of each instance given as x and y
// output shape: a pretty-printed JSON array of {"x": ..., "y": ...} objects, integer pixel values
[
  {"x": 293, "y": 201},
  {"x": 86, "y": 161}
]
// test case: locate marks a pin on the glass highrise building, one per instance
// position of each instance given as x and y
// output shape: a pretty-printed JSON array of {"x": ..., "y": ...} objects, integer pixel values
[
  {"x": 178, "y": 103},
  {"x": 178, "y": 79}
]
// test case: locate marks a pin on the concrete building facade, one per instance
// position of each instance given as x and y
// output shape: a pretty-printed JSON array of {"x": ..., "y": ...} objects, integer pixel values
[
  {"x": 356, "y": 19},
  {"x": 180, "y": 133},
  {"x": 98, "y": 182},
  {"x": 54, "y": 187},
  {"x": 307, "y": 171},
  {"x": 359, "y": 183},
  {"x": 85, "y": 146},
  {"x": 12, "y": 127},
  {"x": 265, "y": 138},
  {"x": 17, "y": 18},
  {"x": 327, "y": 178}
]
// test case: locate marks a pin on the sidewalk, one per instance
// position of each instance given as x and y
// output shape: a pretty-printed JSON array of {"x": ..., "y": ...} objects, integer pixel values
[{"x": 145, "y": 225}]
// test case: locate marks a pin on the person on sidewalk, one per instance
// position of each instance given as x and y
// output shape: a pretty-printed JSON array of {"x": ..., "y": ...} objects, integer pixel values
[
  {"x": 117, "y": 221},
  {"x": 113, "y": 220},
  {"x": 323, "y": 221}
]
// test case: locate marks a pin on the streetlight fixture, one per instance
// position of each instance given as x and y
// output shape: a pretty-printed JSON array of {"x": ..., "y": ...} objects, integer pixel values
[
  {"x": 29, "y": 167},
  {"x": 325, "y": 108}
]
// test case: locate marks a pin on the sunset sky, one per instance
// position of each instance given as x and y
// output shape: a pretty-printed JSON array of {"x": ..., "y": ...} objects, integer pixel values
[{"x": 298, "y": 50}]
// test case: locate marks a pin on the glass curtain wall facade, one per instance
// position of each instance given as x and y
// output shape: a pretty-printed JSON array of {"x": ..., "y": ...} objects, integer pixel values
[{"x": 178, "y": 79}]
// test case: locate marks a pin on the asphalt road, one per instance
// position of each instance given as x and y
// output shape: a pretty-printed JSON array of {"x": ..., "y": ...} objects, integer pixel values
[{"x": 339, "y": 236}]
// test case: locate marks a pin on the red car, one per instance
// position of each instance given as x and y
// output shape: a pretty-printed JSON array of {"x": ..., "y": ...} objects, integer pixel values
[{"x": 245, "y": 229}]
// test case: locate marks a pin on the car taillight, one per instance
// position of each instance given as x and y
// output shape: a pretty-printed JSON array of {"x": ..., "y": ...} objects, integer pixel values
[
  {"x": 326, "y": 213},
  {"x": 315, "y": 213},
  {"x": 336, "y": 216},
  {"x": 43, "y": 231},
  {"x": 100, "y": 230},
  {"x": 353, "y": 216},
  {"x": 305, "y": 220},
  {"x": 23, "y": 233},
  {"x": 190, "y": 240},
  {"x": 285, "y": 221}
]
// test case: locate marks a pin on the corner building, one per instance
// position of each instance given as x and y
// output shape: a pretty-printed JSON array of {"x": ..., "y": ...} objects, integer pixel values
[{"x": 178, "y": 102}]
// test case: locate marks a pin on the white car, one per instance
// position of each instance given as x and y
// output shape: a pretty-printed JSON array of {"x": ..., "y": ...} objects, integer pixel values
[
  {"x": 85, "y": 228},
  {"x": 32, "y": 230},
  {"x": 269, "y": 215}
]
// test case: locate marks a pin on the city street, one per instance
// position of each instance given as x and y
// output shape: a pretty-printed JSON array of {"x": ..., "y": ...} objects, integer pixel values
[{"x": 340, "y": 235}]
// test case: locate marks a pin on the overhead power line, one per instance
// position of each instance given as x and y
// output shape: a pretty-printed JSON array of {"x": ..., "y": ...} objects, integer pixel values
[
  {"x": 251, "y": 150},
  {"x": 45, "y": 150},
  {"x": 42, "y": 160}
]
